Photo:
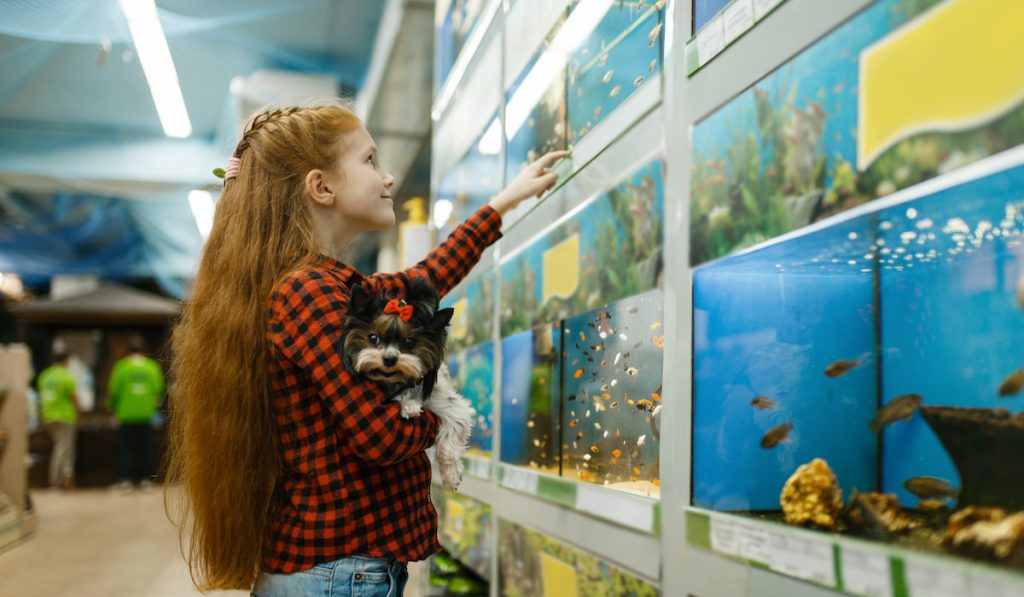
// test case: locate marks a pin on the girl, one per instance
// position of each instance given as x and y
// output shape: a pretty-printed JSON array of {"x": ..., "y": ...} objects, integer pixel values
[{"x": 292, "y": 474}]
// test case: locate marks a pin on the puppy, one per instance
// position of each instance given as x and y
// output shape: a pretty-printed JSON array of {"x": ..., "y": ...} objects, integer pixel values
[{"x": 400, "y": 341}]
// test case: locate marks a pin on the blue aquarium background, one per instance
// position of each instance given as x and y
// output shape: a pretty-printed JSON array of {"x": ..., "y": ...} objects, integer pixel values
[
  {"x": 936, "y": 276},
  {"x": 705, "y": 10},
  {"x": 530, "y": 398},
  {"x": 470, "y": 183},
  {"x": 455, "y": 28},
  {"x": 473, "y": 373}
]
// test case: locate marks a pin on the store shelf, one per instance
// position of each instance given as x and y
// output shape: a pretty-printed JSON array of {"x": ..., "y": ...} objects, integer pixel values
[
  {"x": 725, "y": 28},
  {"x": 481, "y": 468},
  {"x": 632, "y": 511},
  {"x": 842, "y": 563}
]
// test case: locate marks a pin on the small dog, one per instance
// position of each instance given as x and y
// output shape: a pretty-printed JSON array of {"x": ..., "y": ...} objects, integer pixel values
[{"x": 400, "y": 343}]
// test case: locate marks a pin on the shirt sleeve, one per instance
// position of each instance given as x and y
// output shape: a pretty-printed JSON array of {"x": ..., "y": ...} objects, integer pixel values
[
  {"x": 306, "y": 321},
  {"x": 450, "y": 261}
]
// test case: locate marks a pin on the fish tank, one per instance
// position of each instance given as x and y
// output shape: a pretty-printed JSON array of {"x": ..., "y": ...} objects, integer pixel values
[
  {"x": 472, "y": 370},
  {"x": 476, "y": 178},
  {"x": 531, "y": 563},
  {"x": 531, "y": 398},
  {"x": 612, "y": 395},
  {"x": 864, "y": 376},
  {"x": 466, "y": 530},
  {"x": 619, "y": 55},
  {"x": 453, "y": 31}
]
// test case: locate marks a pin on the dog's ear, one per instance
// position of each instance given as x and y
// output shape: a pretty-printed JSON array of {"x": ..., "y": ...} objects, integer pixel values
[
  {"x": 442, "y": 318},
  {"x": 360, "y": 303}
]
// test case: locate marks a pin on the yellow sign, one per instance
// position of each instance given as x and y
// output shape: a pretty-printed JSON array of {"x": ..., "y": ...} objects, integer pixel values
[
  {"x": 956, "y": 67},
  {"x": 454, "y": 516},
  {"x": 561, "y": 269},
  {"x": 559, "y": 577},
  {"x": 460, "y": 319}
]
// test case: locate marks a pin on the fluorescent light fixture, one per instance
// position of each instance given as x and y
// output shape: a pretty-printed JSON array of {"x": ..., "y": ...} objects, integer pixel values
[
  {"x": 155, "y": 56},
  {"x": 584, "y": 18},
  {"x": 490, "y": 142},
  {"x": 442, "y": 211},
  {"x": 201, "y": 203}
]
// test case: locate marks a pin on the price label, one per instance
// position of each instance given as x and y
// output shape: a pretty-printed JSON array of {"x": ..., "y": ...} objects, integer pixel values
[
  {"x": 620, "y": 507},
  {"x": 479, "y": 468},
  {"x": 710, "y": 40},
  {"x": 752, "y": 542},
  {"x": 520, "y": 480},
  {"x": 926, "y": 580},
  {"x": 802, "y": 557},
  {"x": 763, "y": 7},
  {"x": 737, "y": 18},
  {"x": 866, "y": 572},
  {"x": 724, "y": 536}
]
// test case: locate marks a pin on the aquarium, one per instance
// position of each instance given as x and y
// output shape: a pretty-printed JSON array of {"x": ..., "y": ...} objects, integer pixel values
[
  {"x": 454, "y": 29},
  {"x": 472, "y": 370},
  {"x": 865, "y": 376},
  {"x": 466, "y": 530},
  {"x": 705, "y": 10},
  {"x": 531, "y": 398},
  {"x": 619, "y": 55},
  {"x": 476, "y": 178},
  {"x": 473, "y": 301},
  {"x": 612, "y": 394},
  {"x": 531, "y": 563}
]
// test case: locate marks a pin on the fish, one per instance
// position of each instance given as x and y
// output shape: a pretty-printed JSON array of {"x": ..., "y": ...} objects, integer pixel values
[
  {"x": 776, "y": 435},
  {"x": 607, "y": 76},
  {"x": 597, "y": 112},
  {"x": 1013, "y": 383},
  {"x": 578, "y": 373},
  {"x": 841, "y": 366},
  {"x": 638, "y": 81},
  {"x": 615, "y": 91},
  {"x": 653, "y": 65},
  {"x": 930, "y": 488},
  {"x": 763, "y": 403},
  {"x": 901, "y": 407},
  {"x": 653, "y": 35},
  {"x": 616, "y": 453}
]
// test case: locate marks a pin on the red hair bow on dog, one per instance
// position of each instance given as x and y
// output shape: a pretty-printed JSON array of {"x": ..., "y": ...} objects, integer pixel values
[{"x": 399, "y": 308}]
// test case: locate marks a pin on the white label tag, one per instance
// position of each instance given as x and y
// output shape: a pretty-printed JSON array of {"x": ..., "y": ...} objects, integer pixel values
[
  {"x": 926, "y": 580},
  {"x": 763, "y": 7},
  {"x": 737, "y": 18},
  {"x": 479, "y": 468},
  {"x": 520, "y": 480},
  {"x": 723, "y": 536},
  {"x": 621, "y": 507},
  {"x": 803, "y": 557},
  {"x": 710, "y": 40},
  {"x": 866, "y": 572},
  {"x": 752, "y": 542}
]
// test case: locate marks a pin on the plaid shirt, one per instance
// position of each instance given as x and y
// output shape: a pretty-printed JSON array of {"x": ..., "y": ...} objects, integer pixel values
[{"x": 356, "y": 479}]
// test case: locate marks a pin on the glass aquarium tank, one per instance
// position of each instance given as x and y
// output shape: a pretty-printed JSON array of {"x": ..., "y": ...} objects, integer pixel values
[
  {"x": 466, "y": 530},
  {"x": 472, "y": 370},
  {"x": 453, "y": 31},
  {"x": 476, "y": 178},
  {"x": 865, "y": 376},
  {"x": 531, "y": 398},
  {"x": 612, "y": 395}
]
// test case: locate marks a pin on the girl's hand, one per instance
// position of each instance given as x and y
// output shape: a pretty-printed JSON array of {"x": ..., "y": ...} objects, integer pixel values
[{"x": 534, "y": 181}]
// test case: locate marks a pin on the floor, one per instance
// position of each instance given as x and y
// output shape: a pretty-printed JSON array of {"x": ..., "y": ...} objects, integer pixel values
[{"x": 93, "y": 542}]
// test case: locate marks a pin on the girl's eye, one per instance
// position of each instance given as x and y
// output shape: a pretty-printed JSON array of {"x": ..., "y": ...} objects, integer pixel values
[
  {"x": 369, "y": 158},
  {"x": 408, "y": 343},
  {"x": 374, "y": 339}
]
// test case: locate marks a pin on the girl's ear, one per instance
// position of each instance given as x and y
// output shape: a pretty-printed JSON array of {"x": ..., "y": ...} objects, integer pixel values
[{"x": 317, "y": 188}]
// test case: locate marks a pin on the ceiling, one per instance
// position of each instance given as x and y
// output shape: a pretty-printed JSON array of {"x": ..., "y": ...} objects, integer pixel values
[{"x": 78, "y": 123}]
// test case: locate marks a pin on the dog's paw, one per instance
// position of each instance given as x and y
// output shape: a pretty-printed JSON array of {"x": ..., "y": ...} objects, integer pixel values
[
  {"x": 411, "y": 409},
  {"x": 451, "y": 477}
]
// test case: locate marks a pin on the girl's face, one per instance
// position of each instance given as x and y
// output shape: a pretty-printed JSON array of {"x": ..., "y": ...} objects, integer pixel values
[{"x": 363, "y": 187}]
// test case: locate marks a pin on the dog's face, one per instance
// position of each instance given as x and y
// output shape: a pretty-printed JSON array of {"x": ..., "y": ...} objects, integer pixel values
[{"x": 395, "y": 340}]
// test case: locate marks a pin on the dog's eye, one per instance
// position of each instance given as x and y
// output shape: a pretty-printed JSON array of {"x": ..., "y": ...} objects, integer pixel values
[
  {"x": 374, "y": 339},
  {"x": 408, "y": 343}
]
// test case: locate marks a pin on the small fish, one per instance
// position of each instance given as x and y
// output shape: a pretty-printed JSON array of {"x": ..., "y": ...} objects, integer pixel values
[
  {"x": 615, "y": 91},
  {"x": 597, "y": 112},
  {"x": 640, "y": 441},
  {"x": 645, "y": 404},
  {"x": 763, "y": 403},
  {"x": 638, "y": 81},
  {"x": 841, "y": 366},
  {"x": 653, "y": 65},
  {"x": 616, "y": 453},
  {"x": 901, "y": 407},
  {"x": 579, "y": 436},
  {"x": 607, "y": 76},
  {"x": 932, "y": 505},
  {"x": 594, "y": 449},
  {"x": 930, "y": 487},
  {"x": 653, "y": 35},
  {"x": 578, "y": 374},
  {"x": 658, "y": 341},
  {"x": 776, "y": 435},
  {"x": 632, "y": 371},
  {"x": 1013, "y": 383}
]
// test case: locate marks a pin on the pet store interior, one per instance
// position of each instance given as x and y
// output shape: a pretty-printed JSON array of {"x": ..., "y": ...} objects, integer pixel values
[{"x": 762, "y": 337}]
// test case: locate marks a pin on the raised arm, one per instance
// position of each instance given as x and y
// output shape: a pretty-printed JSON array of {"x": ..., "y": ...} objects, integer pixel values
[{"x": 307, "y": 315}]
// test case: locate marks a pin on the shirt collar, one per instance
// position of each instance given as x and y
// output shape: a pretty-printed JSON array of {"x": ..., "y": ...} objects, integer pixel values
[{"x": 343, "y": 270}]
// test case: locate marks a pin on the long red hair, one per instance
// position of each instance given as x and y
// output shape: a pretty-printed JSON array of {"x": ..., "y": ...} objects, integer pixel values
[{"x": 223, "y": 460}]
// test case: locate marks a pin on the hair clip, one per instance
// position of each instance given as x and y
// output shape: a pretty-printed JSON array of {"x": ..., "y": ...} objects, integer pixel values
[
  {"x": 399, "y": 308},
  {"x": 231, "y": 172}
]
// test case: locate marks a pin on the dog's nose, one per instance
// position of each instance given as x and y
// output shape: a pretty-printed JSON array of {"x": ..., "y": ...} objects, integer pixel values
[{"x": 390, "y": 361}]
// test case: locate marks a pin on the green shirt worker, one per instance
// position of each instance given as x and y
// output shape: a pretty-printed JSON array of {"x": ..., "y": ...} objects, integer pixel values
[
  {"x": 133, "y": 394},
  {"x": 59, "y": 409}
]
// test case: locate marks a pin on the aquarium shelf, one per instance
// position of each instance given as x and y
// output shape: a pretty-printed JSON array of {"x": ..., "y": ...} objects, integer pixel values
[
  {"x": 632, "y": 511},
  {"x": 725, "y": 28},
  {"x": 846, "y": 564},
  {"x": 481, "y": 468}
]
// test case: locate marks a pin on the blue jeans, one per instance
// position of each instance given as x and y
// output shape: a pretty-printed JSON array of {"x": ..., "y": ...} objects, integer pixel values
[
  {"x": 135, "y": 444},
  {"x": 354, "y": 576}
]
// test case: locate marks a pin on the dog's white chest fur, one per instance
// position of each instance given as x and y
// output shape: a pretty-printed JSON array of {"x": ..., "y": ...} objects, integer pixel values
[{"x": 456, "y": 416}]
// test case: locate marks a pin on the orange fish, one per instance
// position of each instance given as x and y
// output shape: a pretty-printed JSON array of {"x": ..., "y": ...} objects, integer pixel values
[
  {"x": 594, "y": 449},
  {"x": 616, "y": 453},
  {"x": 659, "y": 341},
  {"x": 578, "y": 374}
]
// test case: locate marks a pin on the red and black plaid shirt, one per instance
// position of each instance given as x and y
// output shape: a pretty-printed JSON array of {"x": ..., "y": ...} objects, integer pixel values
[{"x": 356, "y": 480}]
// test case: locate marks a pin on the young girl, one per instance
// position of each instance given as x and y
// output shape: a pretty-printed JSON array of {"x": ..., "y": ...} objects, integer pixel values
[{"x": 288, "y": 472}]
